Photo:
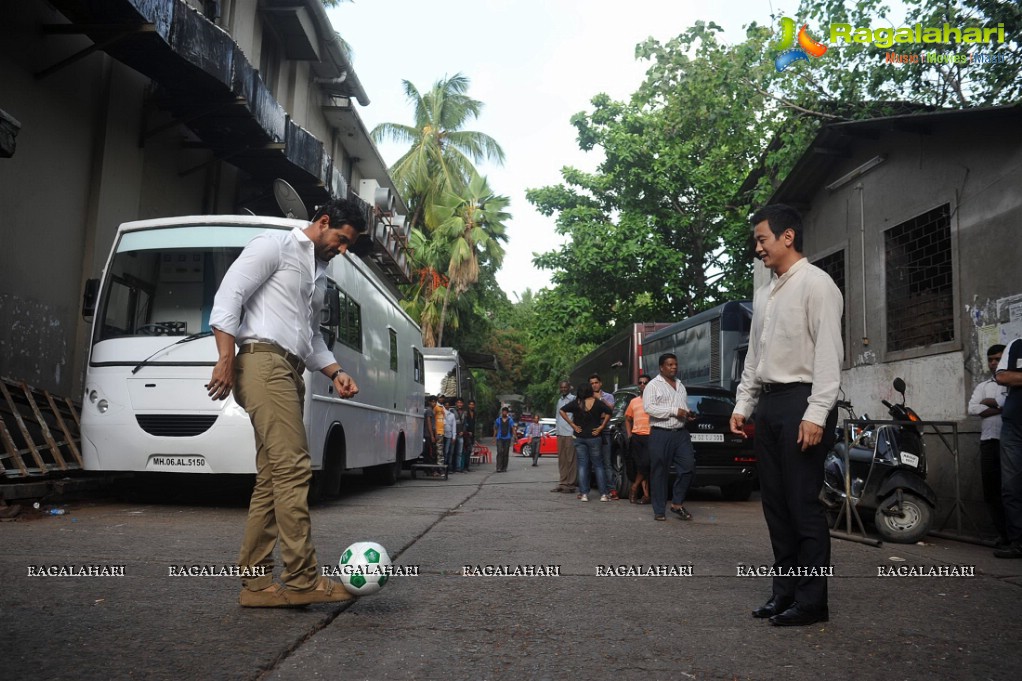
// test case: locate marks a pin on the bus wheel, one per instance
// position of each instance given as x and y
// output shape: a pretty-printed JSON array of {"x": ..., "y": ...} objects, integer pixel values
[
  {"x": 388, "y": 473},
  {"x": 326, "y": 482}
]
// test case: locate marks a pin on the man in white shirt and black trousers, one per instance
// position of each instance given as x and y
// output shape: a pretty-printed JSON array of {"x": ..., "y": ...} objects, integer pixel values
[
  {"x": 665, "y": 401},
  {"x": 791, "y": 379},
  {"x": 269, "y": 305}
]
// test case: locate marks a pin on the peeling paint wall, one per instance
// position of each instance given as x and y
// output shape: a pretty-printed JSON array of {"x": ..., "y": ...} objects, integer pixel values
[
  {"x": 34, "y": 345},
  {"x": 993, "y": 321}
]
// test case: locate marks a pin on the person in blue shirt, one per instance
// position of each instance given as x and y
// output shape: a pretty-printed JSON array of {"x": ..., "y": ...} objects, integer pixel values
[{"x": 504, "y": 432}]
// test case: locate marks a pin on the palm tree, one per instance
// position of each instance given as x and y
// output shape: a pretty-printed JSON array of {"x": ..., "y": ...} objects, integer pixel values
[
  {"x": 471, "y": 222},
  {"x": 422, "y": 299},
  {"x": 441, "y": 156}
]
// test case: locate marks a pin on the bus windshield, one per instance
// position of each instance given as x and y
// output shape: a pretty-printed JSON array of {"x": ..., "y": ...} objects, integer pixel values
[{"x": 161, "y": 282}]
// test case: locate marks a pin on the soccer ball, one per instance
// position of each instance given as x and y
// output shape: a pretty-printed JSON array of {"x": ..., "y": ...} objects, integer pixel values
[{"x": 365, "y": 568}]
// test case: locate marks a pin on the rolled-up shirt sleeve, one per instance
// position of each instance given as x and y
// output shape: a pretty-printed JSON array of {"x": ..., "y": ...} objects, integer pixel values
[
  {"x": 257, "y": 262},
  {"x": 321, "y": 355}
]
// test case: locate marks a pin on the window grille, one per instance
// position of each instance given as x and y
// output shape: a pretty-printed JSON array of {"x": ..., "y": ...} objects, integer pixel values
[
  {"x": 919, "y": 274},
  {"x": 834, "y": 265}
]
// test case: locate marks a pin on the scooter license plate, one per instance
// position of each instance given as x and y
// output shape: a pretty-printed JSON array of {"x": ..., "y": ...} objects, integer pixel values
[{"x": 910, "y": 459}]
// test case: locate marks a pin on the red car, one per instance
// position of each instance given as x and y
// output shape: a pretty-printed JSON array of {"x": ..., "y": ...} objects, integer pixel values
[{"x": 547, "y": 443}]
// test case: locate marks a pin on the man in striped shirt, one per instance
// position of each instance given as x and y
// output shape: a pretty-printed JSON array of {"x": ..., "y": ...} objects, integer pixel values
[{"x": 666, "y": 402}]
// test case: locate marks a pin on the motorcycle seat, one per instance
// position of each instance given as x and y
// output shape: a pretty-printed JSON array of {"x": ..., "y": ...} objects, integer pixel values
[{"x": 857, "y": 454}]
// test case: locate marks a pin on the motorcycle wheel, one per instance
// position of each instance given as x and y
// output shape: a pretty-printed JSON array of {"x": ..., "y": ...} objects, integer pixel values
[{"x": 910, "y": 526}]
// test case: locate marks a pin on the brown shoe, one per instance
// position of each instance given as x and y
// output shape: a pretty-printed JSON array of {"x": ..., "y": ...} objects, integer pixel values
[
  {"x": 558, "y": 489},
  {"x": 326, "y": 591},
  {"x": 274, "y": 596}
]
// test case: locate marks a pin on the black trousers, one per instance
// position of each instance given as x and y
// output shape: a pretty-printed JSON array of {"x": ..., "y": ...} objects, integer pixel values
[
  {"x": 790, "y": 482},
  {"x": 990, "y": 470}
]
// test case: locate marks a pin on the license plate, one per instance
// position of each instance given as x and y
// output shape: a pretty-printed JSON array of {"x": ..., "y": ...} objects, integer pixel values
[
  {"x": 910, "y": 459},
  {"x": 707, "y": 437},
  {"x": 183, "y": 464}
]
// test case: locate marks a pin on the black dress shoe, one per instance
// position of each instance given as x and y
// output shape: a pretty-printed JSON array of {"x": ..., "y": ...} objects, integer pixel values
[
  {"x": 797, "y": 616},
  {"x": 1010, "y": 551},
  {"x": 774, "y": 606}
]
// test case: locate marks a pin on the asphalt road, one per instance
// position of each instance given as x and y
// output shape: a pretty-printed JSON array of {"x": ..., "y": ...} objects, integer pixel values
[{"x": 443, "y": 624}]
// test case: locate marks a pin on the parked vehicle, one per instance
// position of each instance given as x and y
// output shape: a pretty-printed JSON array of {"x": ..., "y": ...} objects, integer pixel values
[
  {"x": 448, "y": 371},
  {"x": 619, "y": 361},
  {"x": 886, "y": 473},
  {"x": 710, "y": 346},
  {"x": 547, "y": 443},
  {"x": 145, "y": 407},
  {"x": 723, "y": 459}
]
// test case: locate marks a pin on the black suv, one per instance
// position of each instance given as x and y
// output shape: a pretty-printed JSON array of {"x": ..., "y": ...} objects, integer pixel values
[{"x": 723, "y": 459}]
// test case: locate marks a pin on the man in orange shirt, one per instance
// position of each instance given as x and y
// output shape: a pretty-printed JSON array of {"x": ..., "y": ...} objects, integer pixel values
[
  {"x": 637, "y": 433},
  {"x": 440, "y": 414}
]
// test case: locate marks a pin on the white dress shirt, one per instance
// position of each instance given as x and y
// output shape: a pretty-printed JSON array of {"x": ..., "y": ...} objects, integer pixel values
[
  {"x": 662, "y": 403},
  {"x": 795, "y": 338},
  {"x": 450, "y": 424},
  {"x": 990, "y": 429},
  {"x": 273, "y": 293},
  {"x": 564, "y": 429}
]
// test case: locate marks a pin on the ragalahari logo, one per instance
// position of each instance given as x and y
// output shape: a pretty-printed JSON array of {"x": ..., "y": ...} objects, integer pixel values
[{"x": 807, "y": 47}]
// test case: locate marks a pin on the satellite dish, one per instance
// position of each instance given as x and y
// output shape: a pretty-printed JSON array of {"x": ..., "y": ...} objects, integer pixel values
[{"x": 291, "y": 205}]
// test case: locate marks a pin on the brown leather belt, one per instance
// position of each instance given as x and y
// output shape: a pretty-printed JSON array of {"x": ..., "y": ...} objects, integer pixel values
[{"x": 292, "y": 359}]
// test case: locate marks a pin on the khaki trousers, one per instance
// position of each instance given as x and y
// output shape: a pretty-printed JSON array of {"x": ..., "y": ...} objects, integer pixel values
[
  {"x": 567, "y": 465},
  {"x": 273, "y": 394}
]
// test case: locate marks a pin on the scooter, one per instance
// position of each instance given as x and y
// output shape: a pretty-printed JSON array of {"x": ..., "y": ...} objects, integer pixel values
[{"x": 886, "y": 475}]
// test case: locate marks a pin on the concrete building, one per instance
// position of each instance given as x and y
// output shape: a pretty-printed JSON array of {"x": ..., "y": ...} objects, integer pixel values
[
  {"x": 917, "y": 218},
  {"x": 117, "y": 110}
]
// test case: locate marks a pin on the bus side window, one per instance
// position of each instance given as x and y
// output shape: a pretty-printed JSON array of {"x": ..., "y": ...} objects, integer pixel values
[
  {"x": 349, "y": 331},
  {"x": 393, "y": 350}
]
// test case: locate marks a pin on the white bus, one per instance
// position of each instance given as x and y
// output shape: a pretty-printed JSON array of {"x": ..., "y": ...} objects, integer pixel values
[{"x": 145, "y": 406}]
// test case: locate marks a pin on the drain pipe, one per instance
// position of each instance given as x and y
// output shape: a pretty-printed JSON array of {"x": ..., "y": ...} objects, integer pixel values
[{"x": 862, "y": 261}]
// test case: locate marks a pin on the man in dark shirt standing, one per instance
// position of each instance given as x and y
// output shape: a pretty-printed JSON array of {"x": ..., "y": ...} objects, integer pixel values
[
  {"x": 1009, "y": 373},
  {"x": 470, "y": 433}
]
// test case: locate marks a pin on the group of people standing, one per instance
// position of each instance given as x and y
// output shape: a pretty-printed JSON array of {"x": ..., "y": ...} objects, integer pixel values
[
  {"x": 791, "y": 380},
  {"x": 998, "y": 401},
  {"x": 655, "y": 431},
  {"x": 448, "y": 437}
]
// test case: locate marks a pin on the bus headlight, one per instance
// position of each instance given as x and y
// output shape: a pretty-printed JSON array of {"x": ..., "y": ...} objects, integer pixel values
[
  {"x": 102, "y": 406},
  {"x": 93, "y": 396}
]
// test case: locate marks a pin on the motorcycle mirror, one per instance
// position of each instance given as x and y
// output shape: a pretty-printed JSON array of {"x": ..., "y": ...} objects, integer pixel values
[{"x": 899, "y": 385}]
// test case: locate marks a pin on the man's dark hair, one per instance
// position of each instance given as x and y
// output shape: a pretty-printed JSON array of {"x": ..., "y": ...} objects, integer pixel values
[
  {"x": 503, "y": 409},
  {"x": 342, "y": 212},
  {"x": 994, "y": 349},
  {"x": 596, "y": 376},
  {"x": 666, "y": 356},
  {"x": 647, "y": 376},
  {"x": 430, "y": 399},
  {"x": 779, "y": 218}
]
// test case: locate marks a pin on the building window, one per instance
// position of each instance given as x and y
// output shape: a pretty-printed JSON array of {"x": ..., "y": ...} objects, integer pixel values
[
  {"x": 420, "y": 366},
  {"x": 920, "y": 293},
  {"x": 393, "y": 350},
  {"x": 270, "y": 59},
  {"x": 834, "y": 265}
]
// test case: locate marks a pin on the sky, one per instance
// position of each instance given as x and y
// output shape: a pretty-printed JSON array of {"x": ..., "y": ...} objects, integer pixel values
[{"x": 534, "y": 64}]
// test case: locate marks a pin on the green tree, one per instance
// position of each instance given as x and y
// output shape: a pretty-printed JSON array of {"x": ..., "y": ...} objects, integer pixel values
[
  {"x": 471, "y": 222},
  {"x": 654, "y": 234},
  {"x": 441, "y": 155}
]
